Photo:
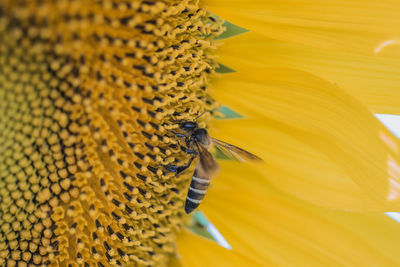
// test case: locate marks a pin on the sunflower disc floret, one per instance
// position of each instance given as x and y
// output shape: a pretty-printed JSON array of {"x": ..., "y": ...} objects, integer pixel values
[{"x": 89, "y": 91}]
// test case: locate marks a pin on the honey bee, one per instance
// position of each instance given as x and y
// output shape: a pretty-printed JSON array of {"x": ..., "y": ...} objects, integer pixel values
[{"x": 198, "y": 142}]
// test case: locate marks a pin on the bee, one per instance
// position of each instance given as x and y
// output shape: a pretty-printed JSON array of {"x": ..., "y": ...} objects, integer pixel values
[{"x": 198, "y": 142}]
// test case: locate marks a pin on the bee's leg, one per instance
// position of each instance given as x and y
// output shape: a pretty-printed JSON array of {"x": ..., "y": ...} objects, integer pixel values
[
  {"x": 179, "y": 169},
  {"x": 178, "y": 134},
  {"x": 182, "y": 168},
  {"x": 188, "y": 141},
  {"x": 188, "y": 151}
]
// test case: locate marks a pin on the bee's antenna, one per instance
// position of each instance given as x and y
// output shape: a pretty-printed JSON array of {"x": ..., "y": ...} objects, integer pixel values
[{"x": 201, "y": 115}]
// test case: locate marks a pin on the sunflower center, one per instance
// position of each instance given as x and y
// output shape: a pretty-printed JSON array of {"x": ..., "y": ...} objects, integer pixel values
[{"x": 89, "y": 91}]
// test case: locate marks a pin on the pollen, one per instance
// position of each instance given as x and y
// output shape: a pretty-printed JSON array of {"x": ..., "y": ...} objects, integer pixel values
[{"x": 89, "y": 94}]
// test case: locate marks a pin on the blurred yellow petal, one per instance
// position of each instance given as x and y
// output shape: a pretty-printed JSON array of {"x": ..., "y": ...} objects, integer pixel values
[
  {"x": 174, "y": 262},
  {"x": 295, "y": 167},
  {"x": 267, "y": 226},
  {"x": 197, "y": 251},
  {"x": 318, "y": 142},
  {"x": 374, "y": 79},
  {"x": 347, "y": 25}
]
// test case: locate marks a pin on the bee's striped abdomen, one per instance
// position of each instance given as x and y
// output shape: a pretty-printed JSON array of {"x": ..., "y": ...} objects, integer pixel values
[{"x": 197, "y": 190}]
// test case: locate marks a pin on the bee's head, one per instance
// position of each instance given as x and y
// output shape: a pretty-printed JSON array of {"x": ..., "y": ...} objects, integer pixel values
[{"x": 188, "y": 126}]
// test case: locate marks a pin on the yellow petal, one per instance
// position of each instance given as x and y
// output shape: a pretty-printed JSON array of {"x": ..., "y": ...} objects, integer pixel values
[
  {"x": 318, "y": 142},
  {"x": 174, "y": 262},
  {"x": 347, "y": 25},
  {"x": 297, "y": 168},
  {"x": 374, "y": 79},
  {"x": 197, "y": 251},
  {"x": 267, "y": 226}
]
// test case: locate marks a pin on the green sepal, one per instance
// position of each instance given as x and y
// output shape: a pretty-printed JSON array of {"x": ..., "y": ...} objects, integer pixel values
[
  {"x": 227, "y": 113},
  {"x": 200, "y": 218},
  {"x": 231, "y": 30},
  {"x": 223, "y": 69},
  {"x": 199, "y": 225}
]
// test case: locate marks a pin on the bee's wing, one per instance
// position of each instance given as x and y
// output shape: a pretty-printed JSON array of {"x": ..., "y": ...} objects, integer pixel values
[
  {"x": 206, "y": 165},
  {"x": 234, "y": 151}
]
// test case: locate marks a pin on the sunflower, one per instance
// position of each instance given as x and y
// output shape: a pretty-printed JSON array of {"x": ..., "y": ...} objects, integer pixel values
[{"x": 91, "y": 97}]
